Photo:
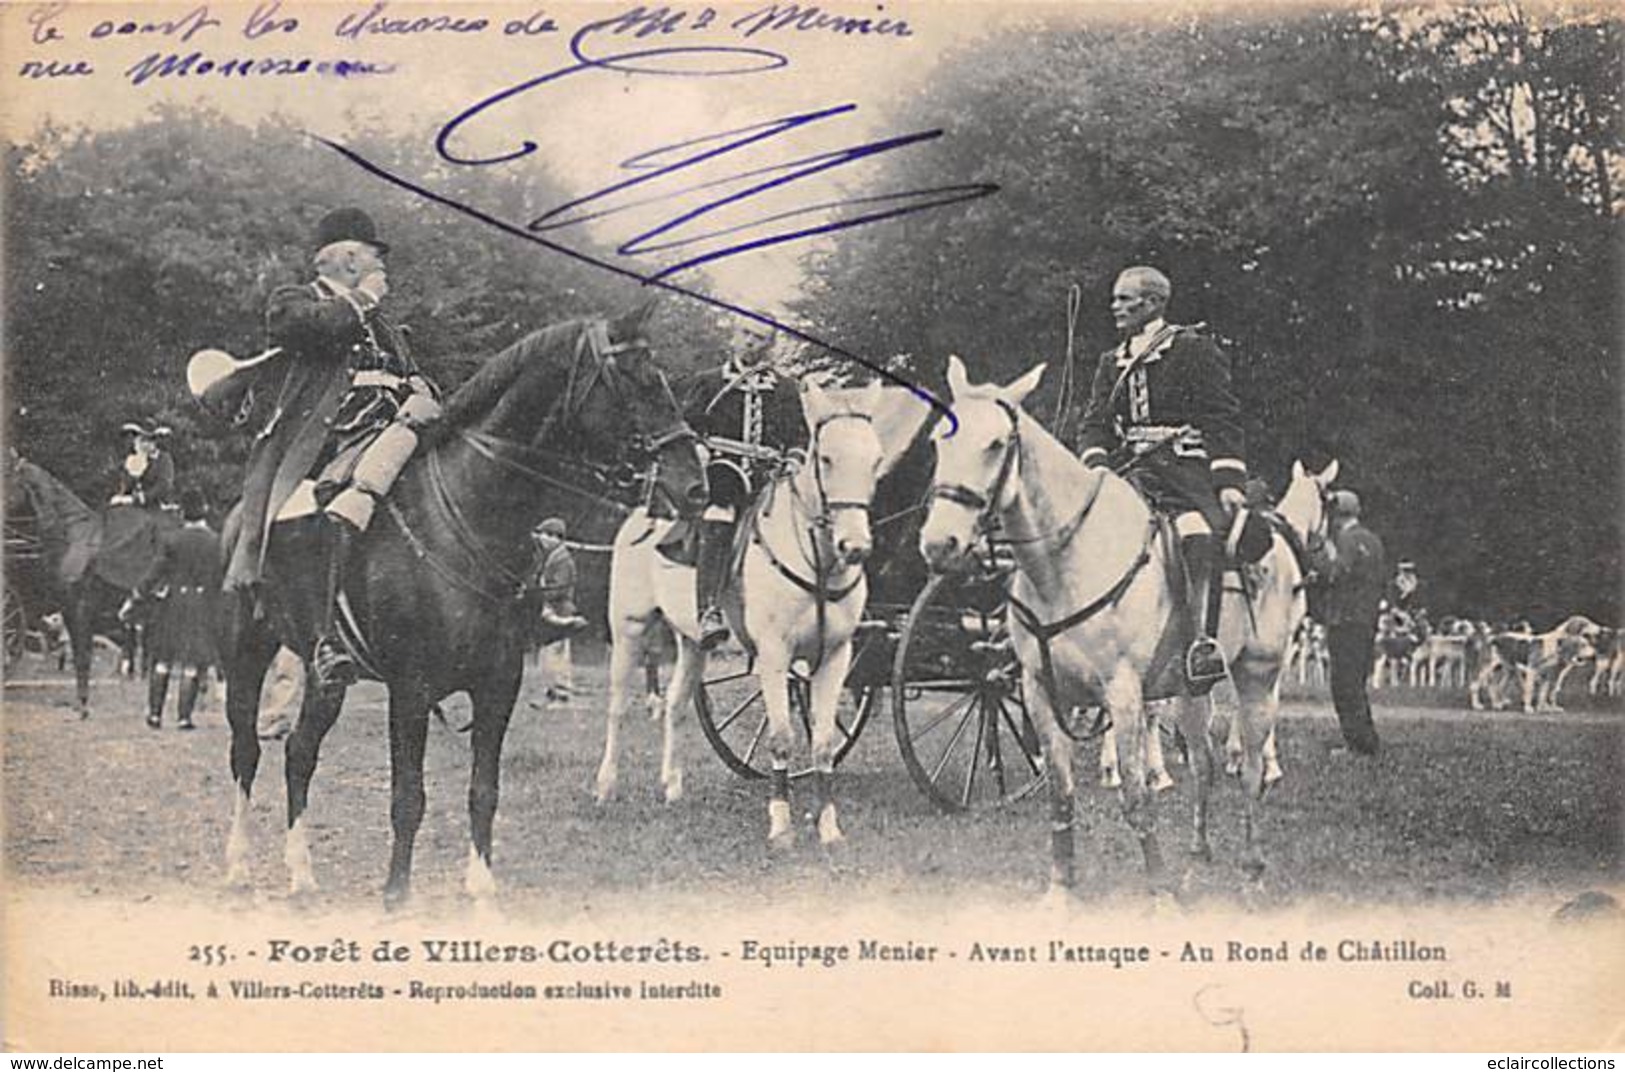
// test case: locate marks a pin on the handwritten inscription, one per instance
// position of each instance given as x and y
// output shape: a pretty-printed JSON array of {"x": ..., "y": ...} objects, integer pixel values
[
  {"x": 380, "y": 19},
  {"x": 196, "y": 63},
  {"x": 54, "y": 69}
]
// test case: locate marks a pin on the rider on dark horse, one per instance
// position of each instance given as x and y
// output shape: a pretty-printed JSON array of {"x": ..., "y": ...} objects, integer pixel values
[
  {"x": 756, "y": 407},
  {"x": 1162, "y": 407},
  {"x": 347, "y": 411}
]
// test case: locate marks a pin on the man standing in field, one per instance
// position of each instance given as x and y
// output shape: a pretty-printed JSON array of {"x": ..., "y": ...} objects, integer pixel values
[{"x": 1353, "y": 569}]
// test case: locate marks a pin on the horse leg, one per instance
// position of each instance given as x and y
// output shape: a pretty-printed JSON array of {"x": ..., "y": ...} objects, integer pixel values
[
  {"x": 316, "y": 716},
  {"x": 773, "y": 670},
  {"x": 81, "y": 637},
  {"x": 245, "y": 674},
  {"x": 1126, "y": 702},
  {"x": 493, "y": 707},
  {"x": 624, "y": 654},
  {"x": 825, "y": 699},
  {"x": 679, "y": 696},
  {"x": 408, "y": 739},
  {"x": 1110, "y": 770},
  {"x": 1156, "y": 768},
  {"x": 1057, "y": 748},
  {"x": 1258, "y": 696},
  {"x": 1195, "y": 719}
]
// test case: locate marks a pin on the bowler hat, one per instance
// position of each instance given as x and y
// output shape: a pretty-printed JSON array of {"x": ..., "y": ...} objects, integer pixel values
[
  {"x": 553, "y": 526},
  {"x": 348, "y": 225}
]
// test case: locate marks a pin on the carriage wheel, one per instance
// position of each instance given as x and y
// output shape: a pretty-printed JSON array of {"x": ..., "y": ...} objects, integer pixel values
[
  {"x": 15, "y": 623},
  {"x": 957, "y": 706},
  {"x": 734, "y": 718}
]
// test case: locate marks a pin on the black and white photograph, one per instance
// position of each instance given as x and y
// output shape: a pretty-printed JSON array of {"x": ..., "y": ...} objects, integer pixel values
[{"x": 771, "y": 526}]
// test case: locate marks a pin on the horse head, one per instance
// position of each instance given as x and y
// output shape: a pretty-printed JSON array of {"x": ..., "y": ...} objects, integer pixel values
[
  {"x": 1303, "y": 504},
  {"x": 845, "y": 456},
  {"x": 592, "y": 388},
  {"x": 976, "y": 471}
]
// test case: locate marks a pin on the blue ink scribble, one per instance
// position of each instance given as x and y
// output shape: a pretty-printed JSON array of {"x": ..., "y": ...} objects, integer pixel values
[{"x": 705, "y": 196}]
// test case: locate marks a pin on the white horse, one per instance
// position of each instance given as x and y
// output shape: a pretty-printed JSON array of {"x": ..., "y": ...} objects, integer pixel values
[
  {"x": 797, "y": 594},
  {"x": 1088, "y": 616}
]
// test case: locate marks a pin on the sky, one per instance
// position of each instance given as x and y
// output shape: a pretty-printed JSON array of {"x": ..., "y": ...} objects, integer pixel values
[{"x": 586, "y": 124}]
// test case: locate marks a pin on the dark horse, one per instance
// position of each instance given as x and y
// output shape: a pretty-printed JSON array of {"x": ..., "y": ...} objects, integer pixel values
[
  {"x": 62, "y": 555},
  {"x": 434, "y": 588}
]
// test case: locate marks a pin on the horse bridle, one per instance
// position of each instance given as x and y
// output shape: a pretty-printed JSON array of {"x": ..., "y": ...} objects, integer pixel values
[
  {"x": 984, "y": 503},
  {"x": 824, "y": 519},
  {"x": 594, "y": 342}
]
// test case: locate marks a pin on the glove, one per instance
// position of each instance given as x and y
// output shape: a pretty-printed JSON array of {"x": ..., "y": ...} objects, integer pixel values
[{"x": 1232, "y": 499}]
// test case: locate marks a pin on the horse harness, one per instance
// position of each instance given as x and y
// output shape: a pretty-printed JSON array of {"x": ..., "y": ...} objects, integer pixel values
[
  {"x": 820, "y": 524},
  {"x": 987, "y": 523},
  {"x": 593, "y": 344}
]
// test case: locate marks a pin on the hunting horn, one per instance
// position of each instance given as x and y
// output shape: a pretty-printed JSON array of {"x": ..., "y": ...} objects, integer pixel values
[{"x": 213, "y": 376}]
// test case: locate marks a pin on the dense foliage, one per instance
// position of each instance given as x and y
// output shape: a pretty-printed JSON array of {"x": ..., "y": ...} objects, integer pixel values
[
  {"x": 1405, "y": 226},
  {"x": 128, "y": 250}
]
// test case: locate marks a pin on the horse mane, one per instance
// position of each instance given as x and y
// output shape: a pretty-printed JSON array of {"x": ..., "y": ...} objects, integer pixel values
[
  {"x": 475, "y": 398},
  {"x": 53, "y": 501}
]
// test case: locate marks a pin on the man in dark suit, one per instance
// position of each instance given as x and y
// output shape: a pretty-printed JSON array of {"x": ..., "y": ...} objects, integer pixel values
[
  {"x": 186, "y": 586},
  {"x": 1161, "y": 406},
  {"x": 345, "y": 377},
  {"x": 1353, "y": 571}
]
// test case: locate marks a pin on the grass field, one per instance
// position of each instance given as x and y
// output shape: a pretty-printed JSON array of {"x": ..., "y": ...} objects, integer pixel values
[{"x": 1461, "y": 807}]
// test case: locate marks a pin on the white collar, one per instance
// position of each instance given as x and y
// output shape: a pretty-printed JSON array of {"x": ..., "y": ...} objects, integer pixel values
[{"x": 1135, "y": 346}]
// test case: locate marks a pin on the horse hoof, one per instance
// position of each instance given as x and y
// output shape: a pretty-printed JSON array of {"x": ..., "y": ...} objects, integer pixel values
[
  {"x": 1109, "y": 779},
  {"x": 1159, "y": 782},
  {"x": 674, "y": 788},
  {"x": 1203, "y": 853},
  {"x": 1253, "y": 869},
  {"x": 1272, "y": 773},
  {"x": 396, "y": 898}
]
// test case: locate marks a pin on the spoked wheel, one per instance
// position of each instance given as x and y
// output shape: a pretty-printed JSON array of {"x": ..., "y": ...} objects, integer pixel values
[
  {"x": 733, "y": 717},
  {"x": 957, "y": 705},
  {"x": 14, "y": 620}
]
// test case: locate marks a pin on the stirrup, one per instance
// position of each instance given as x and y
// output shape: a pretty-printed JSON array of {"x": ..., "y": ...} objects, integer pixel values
[
  {"x": 335, "y": 667},
  {"x": 1204, "y": 663},
  {"x": 713, "y": 628}
]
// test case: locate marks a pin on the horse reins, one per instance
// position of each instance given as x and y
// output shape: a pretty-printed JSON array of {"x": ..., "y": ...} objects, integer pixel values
[
  {"x": 594, "y": 342},
  {"x": 820, "y": 523},
  {"x": 985, "y": 503}
]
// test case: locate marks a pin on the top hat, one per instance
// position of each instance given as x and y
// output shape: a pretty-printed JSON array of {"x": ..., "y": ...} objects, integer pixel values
[{"x": 348, "y": 225}]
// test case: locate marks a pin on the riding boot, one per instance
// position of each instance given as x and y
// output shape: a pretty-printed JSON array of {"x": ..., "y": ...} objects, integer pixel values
[
  {"x": 711, "y": 569},
  {"x": 157, "y": 692},
  {"x": 1204, "y": 661},
  {"x": 188, "y": 699},
  {"x": 335, "y": 667}
]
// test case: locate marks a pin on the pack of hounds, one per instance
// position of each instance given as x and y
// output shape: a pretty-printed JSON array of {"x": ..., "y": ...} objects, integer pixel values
[{"x": 1496, "y": 665}]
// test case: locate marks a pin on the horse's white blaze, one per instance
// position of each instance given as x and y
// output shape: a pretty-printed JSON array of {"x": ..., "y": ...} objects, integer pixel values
[
  {"x": 478, "y": 881},
  {"x": 237, "y": 842},
  {"x": 296, "y": 854}
]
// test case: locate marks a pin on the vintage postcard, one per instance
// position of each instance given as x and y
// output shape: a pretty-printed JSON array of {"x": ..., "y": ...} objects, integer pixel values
[{"x": 785, "y": 526}]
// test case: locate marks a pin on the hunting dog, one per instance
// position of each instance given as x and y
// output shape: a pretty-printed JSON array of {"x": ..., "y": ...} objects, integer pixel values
[{"x": 1539, "y": 661}]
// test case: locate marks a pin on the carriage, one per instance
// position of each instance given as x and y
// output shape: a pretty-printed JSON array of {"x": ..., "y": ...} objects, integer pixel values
[{"x": 932, "y": 651}]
